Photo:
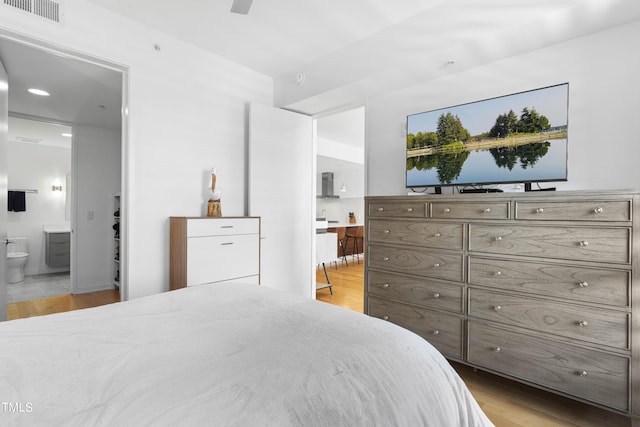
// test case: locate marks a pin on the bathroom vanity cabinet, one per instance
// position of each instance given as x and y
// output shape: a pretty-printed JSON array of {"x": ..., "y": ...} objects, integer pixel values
[{"x": 58, "y": 249}]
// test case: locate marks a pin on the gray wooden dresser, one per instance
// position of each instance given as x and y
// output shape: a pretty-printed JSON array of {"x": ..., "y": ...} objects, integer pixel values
[{"x": 539, "y": 287}]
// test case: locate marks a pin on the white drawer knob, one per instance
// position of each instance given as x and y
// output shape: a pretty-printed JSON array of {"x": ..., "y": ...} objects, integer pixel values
[
  {"x": 487, "y": 210},
  {"x": 386, "y": 285},
  {"x": 539, "y": 210},
  {"x": 435, "y": 332},
  {"x": 498, "y": 238},
  {"x": 437, "y": 235},
  {"x": 447, "y": 210},
  {"x": 584, "y": 243},
  {"x": 436, "y": 265},
  {"x": 387, "y": 231},
  {"x": 497, "y": 349},
  {"x": 583, "y": 373},
  {"x": 385, "y": 317},
  {"x": 598, "y": 210},
  {"x": 436, "y": 295},
  {"x": 583, "y": 323},
  {"x": 497, "y": 308},
  {"x": 380, "y": 209},
  {"x": 584, "y": 284},
  {"x": 386, "y": 258},
  {"x": 409, "y": 209},
  {"x": 498, "y": 273}
]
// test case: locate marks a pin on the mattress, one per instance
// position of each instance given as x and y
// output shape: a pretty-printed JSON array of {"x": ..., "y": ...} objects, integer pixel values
[{"x": 225, "y": 355}]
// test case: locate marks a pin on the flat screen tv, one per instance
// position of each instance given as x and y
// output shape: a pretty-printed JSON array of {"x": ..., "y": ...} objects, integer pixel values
[{"x": 518, "y": 138}]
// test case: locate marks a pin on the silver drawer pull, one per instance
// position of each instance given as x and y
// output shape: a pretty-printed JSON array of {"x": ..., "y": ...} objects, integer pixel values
[
  {"x": 437, "y": 235},
  {"x": 582, "y": 373},
  {"x": 540, "y": 210},
  {"x": 584, "y": 284},
  {"x": 380, "y": 209},
  {"x": 498, "y": 238},
  {"x": 226, "y": 244},
  {"x": 386, "y": 258},
  {"x": 386, "y": 285},
  {"x": 409, "y": 209},
  {"x": 435, "y": 332},
  {"x": 226, "y": 226},
  {"x": 583, "y": 323},
  {"x": 387, "y": 231},
  {"x": 598, "y": 210},
  {"x": 446, "y": 210},
  {"x": 497, "y": 349},
  {"x": 385, "y": 317},
  {"x": 436, "y": 295},
  {"x": 436, "y": 265},
  {"x": 487, "y": 210},
  {"x": 497, "y": 308},
  {"x": 498, "y": 273},
  {"x": 584, "y": 243}
]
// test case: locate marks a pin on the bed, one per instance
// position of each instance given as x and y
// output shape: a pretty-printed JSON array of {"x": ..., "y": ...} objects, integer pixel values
[{"x": 225, "y": 355}]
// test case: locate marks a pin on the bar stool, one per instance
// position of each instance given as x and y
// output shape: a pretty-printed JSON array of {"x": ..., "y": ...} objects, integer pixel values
[
  {"x": 357, "y": 234},
  {"x": 342, "y": 243}
]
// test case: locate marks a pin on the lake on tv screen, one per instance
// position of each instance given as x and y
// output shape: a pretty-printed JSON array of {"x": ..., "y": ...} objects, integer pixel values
[{"x": 544, "y": 161}]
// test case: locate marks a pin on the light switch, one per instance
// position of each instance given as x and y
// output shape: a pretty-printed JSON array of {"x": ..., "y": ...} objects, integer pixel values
[{"x": 90, "y": 215}]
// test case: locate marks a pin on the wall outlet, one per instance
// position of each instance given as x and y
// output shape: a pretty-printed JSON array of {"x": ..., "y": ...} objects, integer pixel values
[{"x": 90, "y": 215}]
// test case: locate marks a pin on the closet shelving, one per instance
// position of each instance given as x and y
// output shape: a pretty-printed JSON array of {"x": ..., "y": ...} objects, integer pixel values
[{"x": 116, "y": 240}]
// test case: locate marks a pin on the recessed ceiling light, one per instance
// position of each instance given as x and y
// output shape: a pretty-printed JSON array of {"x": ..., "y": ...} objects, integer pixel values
[
  {"x": 39, "y": 92},
  {"x": 68, "y": 135}
]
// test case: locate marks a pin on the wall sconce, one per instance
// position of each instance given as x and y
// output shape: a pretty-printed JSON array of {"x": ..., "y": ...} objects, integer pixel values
[{"x": 56, "y": 188}]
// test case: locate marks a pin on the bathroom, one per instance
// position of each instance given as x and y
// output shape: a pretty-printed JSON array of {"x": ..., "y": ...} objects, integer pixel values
[{"x": 39, "y": 165}]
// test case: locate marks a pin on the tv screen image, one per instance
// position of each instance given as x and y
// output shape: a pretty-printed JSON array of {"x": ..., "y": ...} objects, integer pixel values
[{"x": 518, "y": 138}]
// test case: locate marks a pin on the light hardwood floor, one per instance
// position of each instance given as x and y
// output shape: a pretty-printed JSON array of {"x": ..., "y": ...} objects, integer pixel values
[
  {"x": 60, "y": 304},
  {"x": 507, "y": 403}
]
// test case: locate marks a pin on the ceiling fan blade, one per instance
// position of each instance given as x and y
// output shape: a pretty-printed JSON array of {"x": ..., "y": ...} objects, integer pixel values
[{"x": 241, "y": 6}]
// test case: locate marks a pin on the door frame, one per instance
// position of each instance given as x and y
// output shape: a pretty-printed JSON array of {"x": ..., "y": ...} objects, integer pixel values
[{"x": 72, "y": 54}]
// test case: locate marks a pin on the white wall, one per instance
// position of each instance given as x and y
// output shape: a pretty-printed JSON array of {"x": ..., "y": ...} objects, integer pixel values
[
  {"x": 186, "y": 114},
  {"x": 97, "y": 170},
  {"x": 37, "y": 167},
  {"x": 602, "y": 70}
]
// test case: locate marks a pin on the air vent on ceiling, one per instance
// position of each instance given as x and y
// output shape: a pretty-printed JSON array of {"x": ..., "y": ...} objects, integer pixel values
[{"x": 46, "y": 9}]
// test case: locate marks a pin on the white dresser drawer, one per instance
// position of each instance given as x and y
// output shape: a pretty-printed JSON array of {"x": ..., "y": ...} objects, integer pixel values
[
  {"x": 218, "y": 258},
  {"x": 222, "y": 226}
]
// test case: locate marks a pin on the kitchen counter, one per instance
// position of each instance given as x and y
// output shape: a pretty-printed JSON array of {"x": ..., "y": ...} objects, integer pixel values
[{"x": 343, "y": 224}]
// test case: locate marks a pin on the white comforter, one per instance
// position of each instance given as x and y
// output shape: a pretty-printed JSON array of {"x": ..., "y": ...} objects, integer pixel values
[{"x": 225, "y": 355}]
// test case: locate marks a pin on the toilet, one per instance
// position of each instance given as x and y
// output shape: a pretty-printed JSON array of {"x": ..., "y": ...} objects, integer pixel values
[{"x": 17, "y": 257}]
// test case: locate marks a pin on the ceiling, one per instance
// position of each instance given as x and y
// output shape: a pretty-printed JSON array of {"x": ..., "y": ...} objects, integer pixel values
[{"x": 346, "y": 49}]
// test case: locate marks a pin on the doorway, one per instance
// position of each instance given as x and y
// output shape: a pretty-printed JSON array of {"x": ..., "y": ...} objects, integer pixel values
[
  {"x": 89, "y": 95},
  {"x": 340, "y": 154}
]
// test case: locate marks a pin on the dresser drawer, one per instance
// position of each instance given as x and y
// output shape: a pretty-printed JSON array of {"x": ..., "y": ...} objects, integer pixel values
[
  {"x": 573, "y": 243},
  {"x": 401, "y": 209},
  {"x": 599, "y": 286},
  {"x": 572, "y": 321},
  {"x": 575, "y": 211},
  {"x": 416, "y": 261},
  {"x": 222, "y": 226},
  {"x": 470, "y": 210},
  {"x": 218, "y": 258},
  {"x": 443, "y": 331},
  {"x": 596, "y": 376},
  {"x": 419, "y": 291},
  {"x": 416, "y": 232}
]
